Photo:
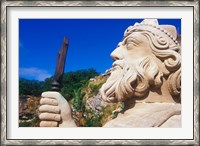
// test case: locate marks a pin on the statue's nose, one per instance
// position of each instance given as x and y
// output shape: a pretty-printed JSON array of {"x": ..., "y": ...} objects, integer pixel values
[{"x": 117, "y": 54}]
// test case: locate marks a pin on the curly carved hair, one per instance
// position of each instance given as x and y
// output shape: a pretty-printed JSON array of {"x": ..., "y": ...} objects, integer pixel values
[{"x": 167, "y": 51}]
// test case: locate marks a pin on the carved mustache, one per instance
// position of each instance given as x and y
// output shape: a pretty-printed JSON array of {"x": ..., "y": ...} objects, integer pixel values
[{"x": 118, "y": 63}]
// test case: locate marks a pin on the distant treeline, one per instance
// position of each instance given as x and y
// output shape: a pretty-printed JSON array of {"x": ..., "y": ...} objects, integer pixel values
[{"x": 71, "y": 81}]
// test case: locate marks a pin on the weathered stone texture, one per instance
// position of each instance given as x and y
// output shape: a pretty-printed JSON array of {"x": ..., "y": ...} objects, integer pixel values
[{"x": 149, "y": 115}]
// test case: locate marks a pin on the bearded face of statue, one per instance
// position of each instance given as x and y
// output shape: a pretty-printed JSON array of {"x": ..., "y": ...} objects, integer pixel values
[
  {"x": 147, "y": 56},
  {"x": 134, "y": 69}
]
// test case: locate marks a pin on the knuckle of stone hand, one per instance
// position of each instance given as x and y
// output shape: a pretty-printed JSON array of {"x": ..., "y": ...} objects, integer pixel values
[
  {"x": 40, "y": 108},
  {"x": 41, "y": 124},
  {"x": 41, "y": 100},
  {"x": 54, "y": 102},
  {"x": 56, "y": 109},
  {"x": 44, "y": 116},
  {"x": 40, "y": 116},
  {"x": 48, "y": 124},
  {"x": 48, "y": 101},
  {"x": 53, "y": 124},
  {"x": 49, "y": 116},
  {"x": 57, "y": 117},
  {"x": 43, "y": 108}
]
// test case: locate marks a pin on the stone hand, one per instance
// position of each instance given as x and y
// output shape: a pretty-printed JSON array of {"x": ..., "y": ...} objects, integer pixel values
[{"x": 55, "y": 111}]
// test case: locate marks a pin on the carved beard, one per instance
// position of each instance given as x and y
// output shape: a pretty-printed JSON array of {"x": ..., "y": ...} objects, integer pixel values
[{"x": 131, "y": 80}]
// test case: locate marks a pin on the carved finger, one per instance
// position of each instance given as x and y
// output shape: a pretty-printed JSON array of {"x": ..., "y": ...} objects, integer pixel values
[
  {"x": 49, "y": 109},
  {"x": 50, "y": 117},
  {"x": 48, "y": 124},
  {"x": 54, "y": 95},
  {"x": 48, "y": 101},
  {"x": 51, "y": 94}
]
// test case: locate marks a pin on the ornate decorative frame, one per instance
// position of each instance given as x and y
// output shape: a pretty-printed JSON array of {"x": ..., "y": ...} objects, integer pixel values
[{"x": 6, "y": 4}]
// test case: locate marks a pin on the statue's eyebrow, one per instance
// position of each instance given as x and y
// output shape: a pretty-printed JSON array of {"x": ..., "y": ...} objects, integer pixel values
[
  {"x": 124, "y": 40},
  {"x": 131, "y": 38}
]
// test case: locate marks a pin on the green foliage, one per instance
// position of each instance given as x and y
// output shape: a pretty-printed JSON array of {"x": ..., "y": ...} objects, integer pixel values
[
  {"x": 95, "y": 88},
  {"x": 30, "y": 87},
  {"x": 47, "y": 84},
  {"x": 121, "y": 108},
  {"x": 71, "y": 81},
  {"x": 108, "y": 114},
  {"x": 77, "y": 104},
  {"x": 76, "y": 80},
  {"x": 92, "y": 119},
  {"x": 98, "y": 119},
  {"x": 25, "y": 124},
  {"x": 122, "y": 105},
  {"x": 33, "y": 123}
]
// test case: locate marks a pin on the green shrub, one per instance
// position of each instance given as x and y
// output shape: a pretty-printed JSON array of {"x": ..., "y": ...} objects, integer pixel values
[
  {"x": 77, "y": 104},
  {"x": 25, "y": 124},
  {"x": 33, "y": 123},
  {"x": 92, "y": 119}
]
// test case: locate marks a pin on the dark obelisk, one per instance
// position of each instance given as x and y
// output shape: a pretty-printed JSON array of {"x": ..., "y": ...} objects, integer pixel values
[{"x": 60, "y": 65}]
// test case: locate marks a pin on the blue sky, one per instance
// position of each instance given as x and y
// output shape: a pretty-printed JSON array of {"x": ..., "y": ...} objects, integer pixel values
[{"x": 90, "y": 43}]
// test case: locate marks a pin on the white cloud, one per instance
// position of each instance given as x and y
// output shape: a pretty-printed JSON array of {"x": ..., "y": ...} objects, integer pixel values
[{"x": 34, "y": 73}]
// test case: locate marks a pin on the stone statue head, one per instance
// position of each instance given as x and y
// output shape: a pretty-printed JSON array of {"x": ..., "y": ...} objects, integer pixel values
[{"x": 147, "y": 58}]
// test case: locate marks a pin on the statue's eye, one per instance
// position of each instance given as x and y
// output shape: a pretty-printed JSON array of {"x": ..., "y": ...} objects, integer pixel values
[
  {"x": 130, "y": 46},
  {"x": 131, "y": 43}
]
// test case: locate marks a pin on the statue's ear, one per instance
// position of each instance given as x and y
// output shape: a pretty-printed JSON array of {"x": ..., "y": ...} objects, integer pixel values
[
  {"x": 171, "y": 29},
  {"x": 162, "y": 66}
]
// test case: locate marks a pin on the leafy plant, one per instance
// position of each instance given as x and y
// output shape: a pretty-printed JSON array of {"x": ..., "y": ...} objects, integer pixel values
[
  {"x": 92, "y": 119},
  {"x": 33, "y": 123},
  {"x": 75, "y": 80},
  {"x": 77, "y": 104},
  {"x": 95, "y": 88}
]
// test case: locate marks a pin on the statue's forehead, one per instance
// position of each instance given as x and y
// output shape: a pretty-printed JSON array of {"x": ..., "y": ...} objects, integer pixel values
[{"x": 134, "y": 35}]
